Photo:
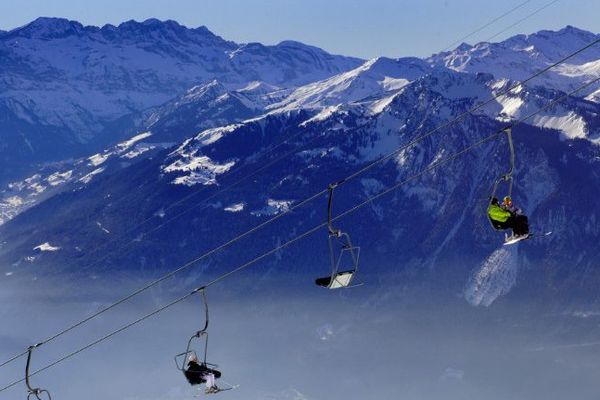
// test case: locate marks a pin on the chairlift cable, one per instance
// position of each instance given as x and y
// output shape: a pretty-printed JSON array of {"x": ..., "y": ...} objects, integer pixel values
[
  {"x": 462, "y": 39},
  {"x": 316, "y": 195},
  {"x": 468, "y": 112},
  {"x": 204, "y": 200},
  {"x": 309, "y": 232},
  {"x": 523, "y": 19}
]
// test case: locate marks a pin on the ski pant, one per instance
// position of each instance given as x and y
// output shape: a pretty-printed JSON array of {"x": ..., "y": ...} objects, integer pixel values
[
  {"x": 210, "y": 380},
  {"x": 518, "y": 223}
]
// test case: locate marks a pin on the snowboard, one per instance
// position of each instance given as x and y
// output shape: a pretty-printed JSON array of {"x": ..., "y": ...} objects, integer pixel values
[{"x": 516, "y": 239}]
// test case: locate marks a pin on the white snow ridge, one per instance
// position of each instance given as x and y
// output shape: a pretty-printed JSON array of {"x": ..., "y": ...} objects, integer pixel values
[
  {"x": 46, "y": 247},
  {"x": 496, "y": 277},
  {"x": 237, "y": 207}
]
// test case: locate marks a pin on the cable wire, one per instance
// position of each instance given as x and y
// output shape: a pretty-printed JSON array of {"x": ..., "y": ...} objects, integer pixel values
[
  {"x": 462, "y": 39},
  {"x": 523, "y": 19},
  {"x": 309, "y": 232},
  {"x": 468, "y": 112},
  {"x": 316, "y": 195},
  {"x": 193, "y": 194},
  {"x": 204, "y": 200}
]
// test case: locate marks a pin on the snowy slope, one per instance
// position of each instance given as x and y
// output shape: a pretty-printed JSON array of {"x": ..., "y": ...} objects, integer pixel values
[
  {"x": 279, "y": 145},
  {"x": 373, "y": 79},
  {"x": 66, "y": 88},
  {"x": 54, "y": 178},
  {"x": 436, "y": 220},
  {"x": 520, "y": 56}
]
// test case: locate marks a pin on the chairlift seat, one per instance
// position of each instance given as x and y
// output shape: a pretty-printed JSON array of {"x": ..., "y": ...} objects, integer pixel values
[{"x": 340, "y": 280}]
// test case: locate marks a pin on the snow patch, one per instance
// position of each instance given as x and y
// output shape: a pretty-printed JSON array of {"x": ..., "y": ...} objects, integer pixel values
[
  {"x": 87, "y": 178},
  {"x": 273, "y": 207},
  {"x": 128, "y": 143},
  {"x": 571, "y": 125},
  {"x": 98, "y": 159},
  {"x": 201, "y": 170},
  {"x": 510, "y": 105},
  {"x": 210, "y": 136},
  {"x": 59, "y": 178},
  {"x": 13, "y": 201},
  {"x": 237, "y": 207},
  {"x": 323, "y": 115},
  {"x": 46, "y": 247}
]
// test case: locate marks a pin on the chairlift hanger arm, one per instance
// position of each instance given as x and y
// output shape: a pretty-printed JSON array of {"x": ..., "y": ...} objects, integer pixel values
[
  {"x": 507, "y": 177},
  {"x": 332, "y": 231},
  {"x": 511, "y": 147},
  {"x": 31, "y": 390},
  {"x": 205, "y": 301}
]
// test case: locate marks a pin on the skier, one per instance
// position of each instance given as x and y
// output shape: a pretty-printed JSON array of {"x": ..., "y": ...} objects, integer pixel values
[
  {"x": 199, "y": 373},
  {"x": 508, "y": 216}
]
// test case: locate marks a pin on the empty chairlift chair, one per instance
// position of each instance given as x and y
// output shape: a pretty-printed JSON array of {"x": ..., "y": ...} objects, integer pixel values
[{"x": 343, "y": 255}]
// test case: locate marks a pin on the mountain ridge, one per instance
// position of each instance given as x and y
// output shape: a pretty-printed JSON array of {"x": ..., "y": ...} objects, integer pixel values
[
  {"x": 88, "y": 87},
  {"x": 217, "y": 132}
]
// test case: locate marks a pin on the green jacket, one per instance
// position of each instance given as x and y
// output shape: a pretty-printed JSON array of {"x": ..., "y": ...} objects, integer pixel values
[{"x": 497, "y": 213}]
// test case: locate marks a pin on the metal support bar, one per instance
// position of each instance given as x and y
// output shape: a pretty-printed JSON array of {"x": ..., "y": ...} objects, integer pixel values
[{"x": 31, "y": 390}]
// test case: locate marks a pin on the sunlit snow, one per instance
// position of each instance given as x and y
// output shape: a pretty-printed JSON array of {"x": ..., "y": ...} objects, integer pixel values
[
  {"x": 199, "y": 169},
  {"x": 273, "y": 207},
  {"x": 46, "y": 247},
  {"x": 87, "y": 178},
  {"x": 237, "y": 207}
]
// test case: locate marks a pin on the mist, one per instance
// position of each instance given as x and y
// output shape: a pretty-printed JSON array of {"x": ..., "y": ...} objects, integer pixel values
[{"x": 288, "y": 339}]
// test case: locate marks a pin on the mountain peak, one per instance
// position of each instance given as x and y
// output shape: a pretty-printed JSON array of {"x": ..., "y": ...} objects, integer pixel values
[
  {"x": 464, "y": 47},
  {"x": 570, "y": 29},
  {"x": 152, "y": 23},
  {"x": 50, "y": 28},
  {"x": 566, "y": 33},
  {"x": 149, "y": 24}
]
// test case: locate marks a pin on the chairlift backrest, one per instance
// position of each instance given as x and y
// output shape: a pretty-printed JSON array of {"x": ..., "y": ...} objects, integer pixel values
[
  {"x": 181, "y": 358},
  {"x": 508, "y": 176}
]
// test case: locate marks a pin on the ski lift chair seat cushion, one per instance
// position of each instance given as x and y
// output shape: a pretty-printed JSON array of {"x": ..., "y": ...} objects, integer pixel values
[{"x": 341, "y": 279}]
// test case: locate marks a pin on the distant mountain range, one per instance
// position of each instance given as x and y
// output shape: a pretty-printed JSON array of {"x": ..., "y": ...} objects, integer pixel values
[
  {"x": 279, "y": 123},
  {"x": 67, "y": 89}
]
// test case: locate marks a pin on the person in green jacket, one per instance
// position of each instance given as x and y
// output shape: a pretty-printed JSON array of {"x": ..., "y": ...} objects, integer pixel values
[{"x": 506, "y": 216}]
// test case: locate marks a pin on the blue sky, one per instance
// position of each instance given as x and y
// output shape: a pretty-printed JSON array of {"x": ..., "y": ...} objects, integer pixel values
[{"x": 361, "y": 28}]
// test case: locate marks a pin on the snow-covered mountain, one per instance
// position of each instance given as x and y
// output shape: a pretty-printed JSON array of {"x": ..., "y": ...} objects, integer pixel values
[
  {"x": 244, "y": 152},
  {"x": 373, "y": 79},
  {"x": 436, "y": 220},
  {"x": 523, "y": 55},
  {"x": 66, "y": 88},
  {"x": 73, "y": 174},
  {"x": 209, "y": 106}
]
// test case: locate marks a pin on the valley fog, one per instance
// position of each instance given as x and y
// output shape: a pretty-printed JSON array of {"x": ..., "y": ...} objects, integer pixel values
[{"x": 288, "y": 340}]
